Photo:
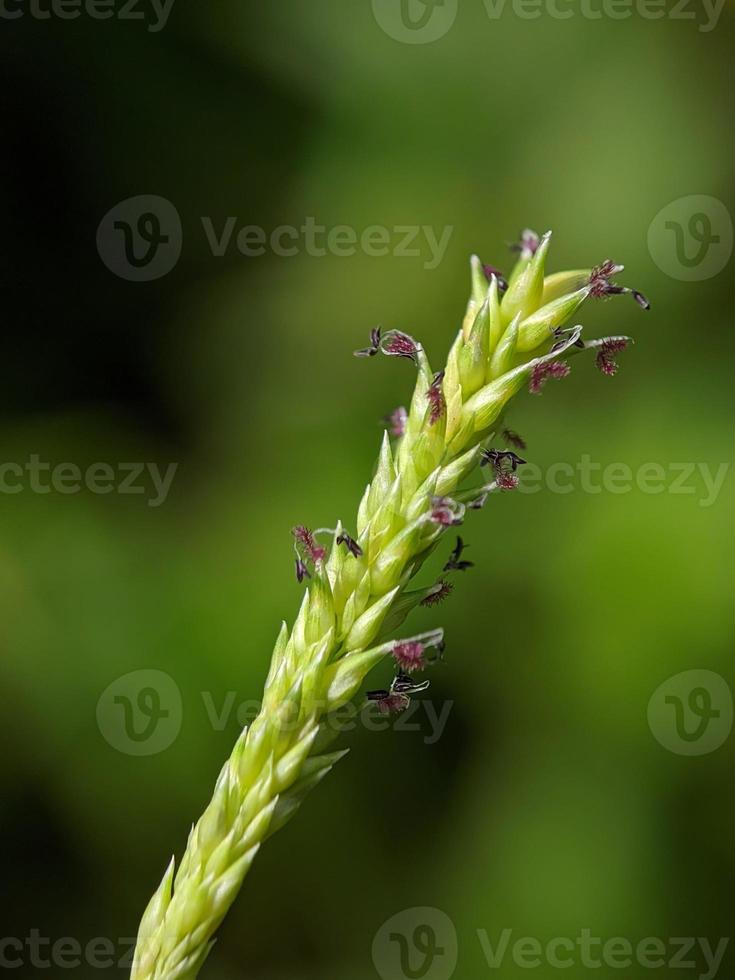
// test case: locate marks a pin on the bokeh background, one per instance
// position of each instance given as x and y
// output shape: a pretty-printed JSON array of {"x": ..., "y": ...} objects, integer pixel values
[{"x": 546, "y": 806}]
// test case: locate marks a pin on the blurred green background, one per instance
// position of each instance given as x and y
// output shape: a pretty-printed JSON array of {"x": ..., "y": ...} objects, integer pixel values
[{"x": 546, "y": 806}]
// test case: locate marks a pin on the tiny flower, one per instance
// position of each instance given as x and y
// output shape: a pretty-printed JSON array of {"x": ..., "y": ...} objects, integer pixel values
[
  {"x": 352, "y": 546},
  {"x": 506, "y": 481},
  {"x": 456, "y": 563},
  {"x": 513, "y": 439},
  {"x": 605, "y": 360},
  {"x": 605, "y": 365},
  {"x": 438, "y": 593},
  {"x": 397, "y": 421},
  {"x": 528, "y": 244},
  {"x": 302, "y": 571},
  {"x": 505, "y": 463},
  {"x": 374, "y": 347},
  {"x": 398, "y": 697},
  {"x": 542, "y": 372},
  {"x": 491, "y": 271},
  {"x": 601, "y": 284},
  {"x": 409, "y": 655},
  {"x": 306, "y": 544},
  {"x": 389, "y": 704},
  {"x": 397, "y": 344},
  {"x": 600, "y": 281},
  {"x": 435, "y": 397},
  {"x": 445, "y": 511}
]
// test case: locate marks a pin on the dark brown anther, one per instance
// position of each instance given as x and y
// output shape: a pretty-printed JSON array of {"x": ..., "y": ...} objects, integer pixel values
[
  {"x": 499, "y": 457},
  {"x": 562, "y": 336},
  {"x": 456, "y": 563},
  {"x": 398, "y": 697},
  {"x": 374, "y": 347},
  {"x": 601, "y": 284},
  {"x": 352, "y": 546}
]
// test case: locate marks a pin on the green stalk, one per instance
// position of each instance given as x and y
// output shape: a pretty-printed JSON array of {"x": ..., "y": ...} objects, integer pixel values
[{"x": 355, "y": 596}]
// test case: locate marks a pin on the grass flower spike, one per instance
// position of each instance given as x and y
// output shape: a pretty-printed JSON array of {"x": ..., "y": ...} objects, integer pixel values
[{"x": 357, "y": 576}]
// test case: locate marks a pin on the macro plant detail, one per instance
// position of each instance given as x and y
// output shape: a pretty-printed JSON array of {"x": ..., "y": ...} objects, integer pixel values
[{"x": 357, "y": 597}]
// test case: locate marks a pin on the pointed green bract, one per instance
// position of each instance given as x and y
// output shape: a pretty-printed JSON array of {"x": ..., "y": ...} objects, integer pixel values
[
  {"x": 477, "y": 294},
  {"x": 537, "y": 328},
  {"x": 474, "y": 353},
  {"x": 495, "y": 314},
  {"x": 561, "y": 283},
  {"x": 525, "y": 254},
  {"x": 524, "y": 294},
  {"x": 502, "y": 359}
]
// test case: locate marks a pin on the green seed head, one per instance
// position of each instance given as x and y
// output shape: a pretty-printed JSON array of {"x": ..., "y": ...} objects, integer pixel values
[{"x": 358, "y": 589}]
